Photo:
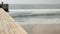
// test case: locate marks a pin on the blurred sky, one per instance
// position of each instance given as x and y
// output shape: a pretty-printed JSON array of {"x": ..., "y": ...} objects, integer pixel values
[{"x": 31, "y": 1}]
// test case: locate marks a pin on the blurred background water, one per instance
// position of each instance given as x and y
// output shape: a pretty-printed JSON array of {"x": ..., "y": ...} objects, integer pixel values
[
  {"x": 34, "y": 6},
  {"x": 30, "y": 15},
  {"x": 33, "y": 13}
]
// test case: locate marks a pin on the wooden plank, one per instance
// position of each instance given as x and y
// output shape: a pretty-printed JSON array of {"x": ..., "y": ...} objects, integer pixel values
[{"x": 8, "y": 25}]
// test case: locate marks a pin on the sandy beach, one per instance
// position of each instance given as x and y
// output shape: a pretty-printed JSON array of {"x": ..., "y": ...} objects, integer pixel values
[{"x": 42, "y": 28}]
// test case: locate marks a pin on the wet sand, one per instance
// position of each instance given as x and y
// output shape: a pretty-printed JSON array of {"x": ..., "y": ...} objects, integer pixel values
[{"x": 42, "y": 28}]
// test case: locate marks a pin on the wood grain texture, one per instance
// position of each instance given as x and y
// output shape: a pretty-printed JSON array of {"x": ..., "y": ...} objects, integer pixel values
[{"x": 8, "y": 25}]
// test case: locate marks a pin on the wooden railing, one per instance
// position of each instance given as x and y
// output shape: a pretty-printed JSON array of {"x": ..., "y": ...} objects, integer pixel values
[{"x": 8, "y": 25}]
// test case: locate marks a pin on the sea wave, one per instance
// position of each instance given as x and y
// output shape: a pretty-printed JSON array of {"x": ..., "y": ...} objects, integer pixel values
[
  {"x": 34, "y": 12},
  {"x": 31, "y": 14}
]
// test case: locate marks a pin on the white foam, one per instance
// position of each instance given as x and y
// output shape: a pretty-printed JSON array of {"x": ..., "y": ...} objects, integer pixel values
[{"x": 35, "y": 10}]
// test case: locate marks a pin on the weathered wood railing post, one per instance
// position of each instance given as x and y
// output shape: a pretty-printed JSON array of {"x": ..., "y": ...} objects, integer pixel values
[{"x": 4, "y": 6}]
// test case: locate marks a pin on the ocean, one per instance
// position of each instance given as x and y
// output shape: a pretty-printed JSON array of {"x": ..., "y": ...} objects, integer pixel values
[
  {"x": 34, "y": 6},
  {"x": 31, "y": 16},
  {"x": 35, "y": 16}
]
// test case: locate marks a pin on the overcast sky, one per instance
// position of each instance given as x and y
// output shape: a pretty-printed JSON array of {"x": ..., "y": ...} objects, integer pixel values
[{"x": 31, "y": 1}]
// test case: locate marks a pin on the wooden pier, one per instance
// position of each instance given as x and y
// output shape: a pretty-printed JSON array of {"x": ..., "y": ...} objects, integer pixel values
[{"x": 8, "y": 25}]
